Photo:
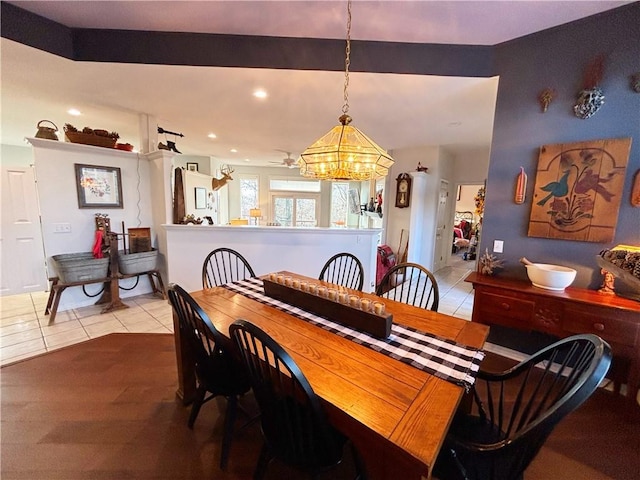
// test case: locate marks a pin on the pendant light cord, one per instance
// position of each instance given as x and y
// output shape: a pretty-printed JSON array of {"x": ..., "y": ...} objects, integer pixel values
[{"x": 347, "y": 61}]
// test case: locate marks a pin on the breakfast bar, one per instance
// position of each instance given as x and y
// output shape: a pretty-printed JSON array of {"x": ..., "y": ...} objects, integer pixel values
[{"x": 303, "y": 249}]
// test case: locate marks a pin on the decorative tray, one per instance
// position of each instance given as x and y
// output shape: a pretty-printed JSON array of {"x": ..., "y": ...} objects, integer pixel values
[{"x": 377, "y": 325}]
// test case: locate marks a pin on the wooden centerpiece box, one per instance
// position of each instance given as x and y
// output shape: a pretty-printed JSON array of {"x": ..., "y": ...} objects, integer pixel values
[{"x": 377, "y": 325}]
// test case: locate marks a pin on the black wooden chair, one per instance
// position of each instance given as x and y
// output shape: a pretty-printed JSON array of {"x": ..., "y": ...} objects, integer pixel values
[
  {"x": 513, "y": 412},
  {"x": 294, "y": 427},
  {"x": 219, "y": 371},
  {"x": 224, "y": 265},
  {"x": 343, "y": 269},
  {"x": 412, "y": 284}
]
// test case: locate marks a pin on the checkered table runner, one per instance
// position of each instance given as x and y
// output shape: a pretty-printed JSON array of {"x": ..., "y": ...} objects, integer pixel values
[{"x": 443, "y": 358}]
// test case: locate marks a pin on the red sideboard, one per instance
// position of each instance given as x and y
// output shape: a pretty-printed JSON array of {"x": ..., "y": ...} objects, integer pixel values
[{"x": 518, "y": 304}]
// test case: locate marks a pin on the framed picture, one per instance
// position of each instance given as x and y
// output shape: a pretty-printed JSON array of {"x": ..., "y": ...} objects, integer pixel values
[
  {"x": 201, "y": 198},
  {"x": 98, "y": 187},
  {"x": 192, "y": 167}
]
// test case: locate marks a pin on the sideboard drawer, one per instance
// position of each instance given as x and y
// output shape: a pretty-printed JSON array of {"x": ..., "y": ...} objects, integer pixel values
[
  {"x": 504, "y": 310},
  {"x": 615, "y": 330}
]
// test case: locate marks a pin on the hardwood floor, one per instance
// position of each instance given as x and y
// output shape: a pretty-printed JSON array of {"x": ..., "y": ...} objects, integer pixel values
[{"x": 106, "y": 409}]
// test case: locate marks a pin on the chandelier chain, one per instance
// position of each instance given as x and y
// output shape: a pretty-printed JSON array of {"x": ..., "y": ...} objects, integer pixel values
[
  {"x": 345, "y": 153},
  {"x": 347, "y": 61}
]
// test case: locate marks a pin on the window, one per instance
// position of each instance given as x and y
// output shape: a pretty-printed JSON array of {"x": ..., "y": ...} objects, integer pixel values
[
  {"x": 296, "y": 210},
  {"x": 295, "y": 202},
  {"x": 339, "y": 203},
  {"x": 249, "y": 194},
  {"x": 294, "y": 185}
]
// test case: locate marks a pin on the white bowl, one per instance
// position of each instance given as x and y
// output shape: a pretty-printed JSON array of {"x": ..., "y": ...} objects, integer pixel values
[{"x": 550, "y": 277}]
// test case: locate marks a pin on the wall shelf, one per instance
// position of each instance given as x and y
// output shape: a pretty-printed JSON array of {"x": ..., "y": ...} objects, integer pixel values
[{"x": 77, "y": 147}]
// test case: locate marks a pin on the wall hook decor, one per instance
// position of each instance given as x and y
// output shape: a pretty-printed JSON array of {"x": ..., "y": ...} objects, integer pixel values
[
  {"x": 521, "y": 187},
  {"x": 635, "y": 82},
  {"x": 591, "y": 97},
  {"x": 545, "y": 97},
  {"x": 170, "y": 145},
  {"x": 635, "y": 190}
]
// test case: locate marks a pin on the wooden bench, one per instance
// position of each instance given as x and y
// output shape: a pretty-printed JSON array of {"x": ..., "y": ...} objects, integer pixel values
[{"x": 110, "y": 297}]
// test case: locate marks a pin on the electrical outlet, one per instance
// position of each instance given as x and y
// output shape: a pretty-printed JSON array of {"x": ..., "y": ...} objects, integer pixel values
[{"x": 498, "y": 246}]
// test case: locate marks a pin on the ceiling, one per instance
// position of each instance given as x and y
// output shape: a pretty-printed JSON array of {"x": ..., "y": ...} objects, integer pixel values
[{"x": 397, "y": 111}]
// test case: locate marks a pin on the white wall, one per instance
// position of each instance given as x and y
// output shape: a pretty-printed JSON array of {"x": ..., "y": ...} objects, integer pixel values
[
  {"x": 471, "y": 166},
  {"x": 406, "y": 160},
  {"x": 191, "y": 181},
  {"x": 420, "y": 219},
  {"x": 267, "y": 249},
  {"x": 467, "y": 195},
  {"x": 11, "y": 155},
  {"x": 204, "y": 163},
  {"x": 56, "y": 184}
]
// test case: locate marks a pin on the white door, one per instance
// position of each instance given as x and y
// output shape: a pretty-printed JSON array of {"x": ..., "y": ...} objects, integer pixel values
[
  {"x": 22, "y": 262},
  {"x": 443, "y": 242}
]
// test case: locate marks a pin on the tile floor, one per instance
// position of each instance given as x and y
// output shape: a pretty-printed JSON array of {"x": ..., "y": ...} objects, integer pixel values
[{"x": 25, "y": 330}]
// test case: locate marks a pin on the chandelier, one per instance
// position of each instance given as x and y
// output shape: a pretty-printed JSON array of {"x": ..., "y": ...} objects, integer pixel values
[{"x": 345, "y": 153}]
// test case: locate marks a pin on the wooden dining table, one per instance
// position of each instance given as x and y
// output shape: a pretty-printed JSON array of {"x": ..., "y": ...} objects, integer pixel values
[{"x": 396, "y": 415}]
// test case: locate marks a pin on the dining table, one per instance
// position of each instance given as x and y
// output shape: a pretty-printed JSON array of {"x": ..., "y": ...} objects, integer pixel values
[{"x": 395, "y": 412}]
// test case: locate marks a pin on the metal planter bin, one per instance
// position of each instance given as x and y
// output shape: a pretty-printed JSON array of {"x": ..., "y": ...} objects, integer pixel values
[
  {"x": 136, "y": 263},
  {"x": 80, "y": 267}
]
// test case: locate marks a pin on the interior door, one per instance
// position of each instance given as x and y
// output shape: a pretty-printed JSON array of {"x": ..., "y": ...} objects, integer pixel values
[
  {"x": 21, "y": 248},
  {"x": 443, "y": 242}
]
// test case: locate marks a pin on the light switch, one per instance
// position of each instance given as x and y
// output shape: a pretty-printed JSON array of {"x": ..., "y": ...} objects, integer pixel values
[
  {"x": 61, "y": 228},
  {"x": 498, "y": 246}
]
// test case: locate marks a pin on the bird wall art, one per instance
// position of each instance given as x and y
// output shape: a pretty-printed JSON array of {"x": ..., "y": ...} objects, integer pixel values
[
  {"x": 556, "y": 189},
  {"x": 578, "y": 190}
]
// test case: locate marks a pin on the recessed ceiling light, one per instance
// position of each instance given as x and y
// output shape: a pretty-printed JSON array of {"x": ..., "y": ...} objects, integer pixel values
[
  {"x": 73, "y": 111},
  {"x": 233, "y": 150},
  {"x": 212, "y": 135},
  {"x": 260, "y": 93}
]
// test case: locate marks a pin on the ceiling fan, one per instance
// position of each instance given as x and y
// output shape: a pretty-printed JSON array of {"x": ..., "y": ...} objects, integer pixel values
[{"x": 288, "y": 162}]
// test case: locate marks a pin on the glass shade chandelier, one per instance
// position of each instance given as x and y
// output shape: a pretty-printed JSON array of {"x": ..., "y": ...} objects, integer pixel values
[{"x": 345, "y": 153}]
